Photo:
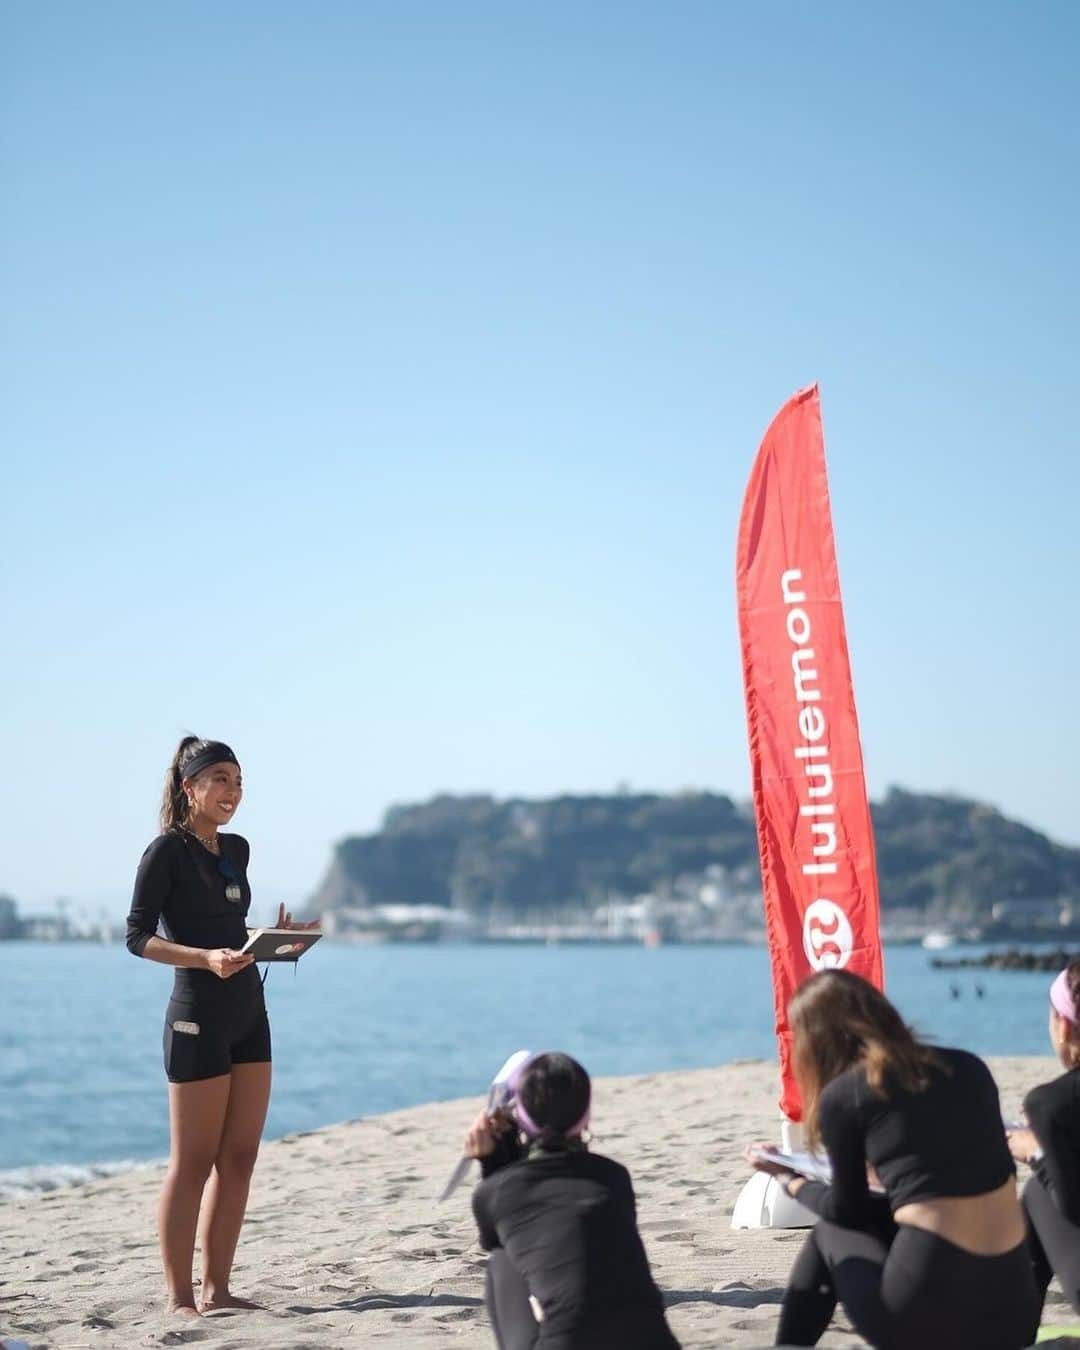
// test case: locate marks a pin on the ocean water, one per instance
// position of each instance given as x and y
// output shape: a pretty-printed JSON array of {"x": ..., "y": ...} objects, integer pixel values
[{"x": 360, "y": 1030}]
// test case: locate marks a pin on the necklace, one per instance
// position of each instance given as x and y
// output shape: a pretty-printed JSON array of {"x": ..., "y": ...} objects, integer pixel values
[{"x": 213, "y": 843}]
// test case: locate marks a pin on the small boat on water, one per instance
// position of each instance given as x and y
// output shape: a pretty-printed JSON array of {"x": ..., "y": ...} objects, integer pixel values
[{"x": 938, "y": 939}]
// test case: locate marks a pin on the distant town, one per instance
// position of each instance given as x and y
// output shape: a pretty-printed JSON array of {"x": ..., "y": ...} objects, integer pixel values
[
  {"x": 647, "y": 868},
  {"x": 716, "y": 906},
  {"x": 58, "y": 925}
]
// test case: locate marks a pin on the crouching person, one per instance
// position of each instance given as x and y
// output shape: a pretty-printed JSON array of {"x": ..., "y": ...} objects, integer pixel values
[
  {"x": 1051, "y": 1146},
  {"x": 567, "y": 1269},
  {"x": 941, "y": 1260}
]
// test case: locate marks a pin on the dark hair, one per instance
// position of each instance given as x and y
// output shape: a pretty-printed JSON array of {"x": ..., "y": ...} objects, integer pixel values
[
  {"x": 555, "y": 1090},
  {"x": 174, "y": 802},
  {"x": 839, "y": 1020}
]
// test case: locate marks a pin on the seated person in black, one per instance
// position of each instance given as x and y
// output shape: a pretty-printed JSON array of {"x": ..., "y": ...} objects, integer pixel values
[
  {"x": 1052, "y": 1147},
  {"x": 940, "y": 1260},
  {"x": 567, "y": 1269}
]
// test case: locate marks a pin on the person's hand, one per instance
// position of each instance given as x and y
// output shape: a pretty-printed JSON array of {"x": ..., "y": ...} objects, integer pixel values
[
  {"x": 1023, "y": 1144},
  {"x": 752, "y": 1155},
  {"x": 789, "y": 1180},
  {"x": 225, "y": 962},
  {"x": 285, "y": 920},
  {"x": 484, "y": 1133}
]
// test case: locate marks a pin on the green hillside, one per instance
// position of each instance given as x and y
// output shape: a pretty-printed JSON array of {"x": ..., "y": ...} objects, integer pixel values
[{"x": 942, "y": 856}]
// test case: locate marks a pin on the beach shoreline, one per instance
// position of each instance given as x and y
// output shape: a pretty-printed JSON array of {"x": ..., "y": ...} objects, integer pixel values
[{"x": 345, "y": 1242}]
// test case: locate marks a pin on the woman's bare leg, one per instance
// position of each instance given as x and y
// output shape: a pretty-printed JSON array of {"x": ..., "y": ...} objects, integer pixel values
[
  {"x": 227, "y": 1193},
  {"x": 196, "y": 1119}
]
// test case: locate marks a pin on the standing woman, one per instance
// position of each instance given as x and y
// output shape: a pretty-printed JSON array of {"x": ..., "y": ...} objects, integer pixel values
[
  {"x": 940, "y": 1261},
  {"x": 193, "y": 880},
  {"x": 1052, "y": 1147}
]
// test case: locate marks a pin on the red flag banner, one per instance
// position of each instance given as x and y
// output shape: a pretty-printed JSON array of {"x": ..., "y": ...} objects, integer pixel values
[{"x": 813, "y": 820}]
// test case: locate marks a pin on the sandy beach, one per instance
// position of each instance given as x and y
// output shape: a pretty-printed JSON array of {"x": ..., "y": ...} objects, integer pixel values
[{"x": 346, "y": 1245}]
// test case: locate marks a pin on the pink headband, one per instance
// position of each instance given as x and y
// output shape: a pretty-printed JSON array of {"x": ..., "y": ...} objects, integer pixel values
[
  {"x": 1060, "y": 998},
  {"x": 522, "y": 1116},
  {"x": 534, "y": 1131}
]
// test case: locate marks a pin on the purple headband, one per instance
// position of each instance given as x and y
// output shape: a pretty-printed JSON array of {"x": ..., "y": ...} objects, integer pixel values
[
  {"x": 1060, "y": 998},
  {"x": 521, "y": 1115}
]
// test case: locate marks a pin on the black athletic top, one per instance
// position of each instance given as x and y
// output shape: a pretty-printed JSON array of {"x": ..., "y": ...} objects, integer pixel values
[
  {"x": 1053, "y": 1111},
  {"x": 567, "y": 1221},
  {"x": 948, "y": 1140},
  {"x": 183, "y": 884}
]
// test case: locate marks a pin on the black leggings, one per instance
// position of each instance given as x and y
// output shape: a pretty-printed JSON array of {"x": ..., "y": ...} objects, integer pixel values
[
  {"x": 619, "y": 1325},
  {"x": 507, "y": 1297},
  {"x": 913, "y": 1289},
  {"x": 1055, "y": 1243}
]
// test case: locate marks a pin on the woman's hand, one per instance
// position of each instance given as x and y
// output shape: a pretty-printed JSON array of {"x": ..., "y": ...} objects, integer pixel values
[
  {"x": 484, "y": 1134},
  {"x": 1023, "y": 1144},
  {"x": 225, "y": 962},
  {"x": 789, "y": 1180},
  {"x": 752, "y": 1155},
  {"x": 285, "y": 920}
]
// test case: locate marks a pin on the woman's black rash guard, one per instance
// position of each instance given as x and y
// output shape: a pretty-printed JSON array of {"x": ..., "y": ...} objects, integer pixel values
[
  {"x": 947, "y": 1140},
  {"x": 1053, "y": 1112},
  {"x": 180, "y": 883},
  {"x": 566, "y": 1219},
  {"x": 211, "y": 1024}
]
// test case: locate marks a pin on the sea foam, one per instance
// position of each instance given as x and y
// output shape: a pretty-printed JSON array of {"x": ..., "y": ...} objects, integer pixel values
[{"x": 19, "y": 1182}]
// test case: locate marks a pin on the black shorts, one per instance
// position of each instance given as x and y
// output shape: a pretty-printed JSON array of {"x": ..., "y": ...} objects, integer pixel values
[{"x": 205, "y": 1038}]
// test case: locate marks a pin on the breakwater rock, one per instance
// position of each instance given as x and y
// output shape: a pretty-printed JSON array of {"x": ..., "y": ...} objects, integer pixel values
[{"x": 1013, "y": 959}]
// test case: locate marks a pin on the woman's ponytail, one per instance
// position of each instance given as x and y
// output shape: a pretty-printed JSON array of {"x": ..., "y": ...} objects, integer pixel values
[{"x": 174, "y": 802}]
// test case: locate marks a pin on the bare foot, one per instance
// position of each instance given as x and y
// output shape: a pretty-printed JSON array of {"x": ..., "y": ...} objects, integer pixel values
[
  {"x": 181, "y": 1309},
  {"x": 227, "y": 1300}
]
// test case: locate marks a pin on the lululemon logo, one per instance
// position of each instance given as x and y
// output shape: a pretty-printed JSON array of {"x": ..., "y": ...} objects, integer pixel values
[{"x": 827, "y": 938}]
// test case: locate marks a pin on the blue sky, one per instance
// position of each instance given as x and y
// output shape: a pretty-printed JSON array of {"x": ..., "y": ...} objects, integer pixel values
[{"x": 381, "y": 381}]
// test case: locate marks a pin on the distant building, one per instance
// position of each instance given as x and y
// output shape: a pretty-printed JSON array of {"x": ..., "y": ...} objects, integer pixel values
[
  {"x": 9, "y": 919},
  {"x": 1043, "y": 913},
  {"x": 416, "y": 923},
  {"x": 45, "y": 928}
]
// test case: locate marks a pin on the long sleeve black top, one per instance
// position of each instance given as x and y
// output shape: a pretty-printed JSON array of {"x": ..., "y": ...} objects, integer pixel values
[
  {"x": 1053, "y": 1112},
  {"x": 566, "y": 1219},
  {"x": 182, "y": 886},
  {"x": 947, "y": 1140}
]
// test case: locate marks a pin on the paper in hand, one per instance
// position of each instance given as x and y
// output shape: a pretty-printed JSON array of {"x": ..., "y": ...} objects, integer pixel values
[
  {"x": 810, "y": 1165},
  {"x": 813, "y": 1166},
  {"x": 498, "y": 1096}
]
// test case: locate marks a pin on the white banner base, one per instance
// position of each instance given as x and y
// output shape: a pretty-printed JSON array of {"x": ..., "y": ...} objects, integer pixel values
[{"x": 763, "y": 1203}]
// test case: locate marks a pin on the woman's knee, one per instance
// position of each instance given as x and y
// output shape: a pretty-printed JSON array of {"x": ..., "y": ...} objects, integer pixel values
[
  {"x": 237, "y": 1160},
  {"x": 809, "y": 1271},
  {"x": 190, "y": 1167}
]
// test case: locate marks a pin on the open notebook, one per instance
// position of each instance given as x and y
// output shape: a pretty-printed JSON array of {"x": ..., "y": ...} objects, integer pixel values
[
  {"x": 280, "y": 944},
  {"x": 813, "y": 1166}
]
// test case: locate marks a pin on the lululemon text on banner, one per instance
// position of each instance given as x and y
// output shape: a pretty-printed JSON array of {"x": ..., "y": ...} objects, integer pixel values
[{"x": 812, "y": 727}]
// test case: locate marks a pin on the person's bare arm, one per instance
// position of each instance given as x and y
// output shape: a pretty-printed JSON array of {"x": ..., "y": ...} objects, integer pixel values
[{"x": 223, "y": 961}]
